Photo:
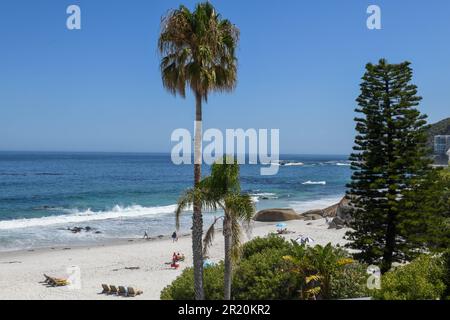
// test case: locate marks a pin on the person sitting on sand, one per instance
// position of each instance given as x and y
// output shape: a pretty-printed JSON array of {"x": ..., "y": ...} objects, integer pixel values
[
  {"x": 180, "y": 257},
  {"x": 174, "y": 236},
  {"x": 175, "y": 263}
]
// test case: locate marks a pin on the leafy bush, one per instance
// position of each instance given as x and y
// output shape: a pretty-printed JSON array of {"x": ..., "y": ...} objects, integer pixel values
[
  {"x": 273, "y": 268},
  {"x": 263, "y": 276},
  {"x": 446, "y": 277},
  {"x": 350, "y": 282},
  {"x": 258, "y": 245},
  {"x": 182, "y": 288},
  {"x": 422, "y": 279},
  {"x": 327, "y": 272}
]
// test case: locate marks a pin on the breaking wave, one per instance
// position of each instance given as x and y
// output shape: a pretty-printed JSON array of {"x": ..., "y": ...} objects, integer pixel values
[
  {"x": 77, "y": 216},
  {"x": 314, "y": 183}
]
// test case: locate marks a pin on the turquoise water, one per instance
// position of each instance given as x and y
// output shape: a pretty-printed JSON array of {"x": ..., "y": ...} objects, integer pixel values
[{"x": 125, "y": 195}]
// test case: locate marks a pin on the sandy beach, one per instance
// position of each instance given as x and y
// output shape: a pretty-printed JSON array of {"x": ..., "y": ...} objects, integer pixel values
[{"x": 134, "y": 262}]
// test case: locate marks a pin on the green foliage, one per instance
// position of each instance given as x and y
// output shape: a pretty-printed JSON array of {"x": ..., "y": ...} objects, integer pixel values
[
  {"x": 350, "y": 282},
  {"x": 332, "y": 270},
  {"x": 426, "y": 223},
  {"x": 446, "y": 278},
  {"x": 198, "y": 50},
  {"x": 422, "y": 279},
  {"x": 264, "y": 276},
  {"x": 325, "y": 261},
  {"x": 389, "y": 161},
  {"x": 182, "y": 288},
  {"x": 265, "y": 272},
  {"x": 258, "y": 245}
]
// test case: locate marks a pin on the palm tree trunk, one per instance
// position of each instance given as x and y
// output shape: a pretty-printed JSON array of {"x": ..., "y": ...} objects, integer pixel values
[
  {"x": 227, "y": 233},
  {"x": 197, "y": 219}
]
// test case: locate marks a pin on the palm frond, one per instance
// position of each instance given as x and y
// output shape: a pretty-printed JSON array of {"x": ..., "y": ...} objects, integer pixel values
[
  {"x": 198, "y": 50},
  {"x": 198, "y": 195},
  {"x": 184, "y": 202},
  {"x": 313, "y": 292},
  {"x": 209, "y": 236},
  {"x": 241, "y": 206},
  {"x": 345, "y": 261},
  {"x": 314, "y": 277}
]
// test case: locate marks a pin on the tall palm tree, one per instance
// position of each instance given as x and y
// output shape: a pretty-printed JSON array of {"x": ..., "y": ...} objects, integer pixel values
[
  {"x": 221, "y": 190},
  {"x": 198, "y": 50}
]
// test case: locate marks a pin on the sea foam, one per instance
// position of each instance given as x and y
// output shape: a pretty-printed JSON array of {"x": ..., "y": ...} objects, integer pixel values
[
  {"x": 314, "y": 183},
  {"x": 77, "y": 216}
]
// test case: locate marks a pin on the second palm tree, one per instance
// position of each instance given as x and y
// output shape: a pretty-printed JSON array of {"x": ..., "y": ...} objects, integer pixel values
[{"x": 198, "y": 50}]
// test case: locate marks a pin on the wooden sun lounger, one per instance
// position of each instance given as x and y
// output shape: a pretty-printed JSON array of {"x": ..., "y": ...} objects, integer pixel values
[
  {"x": 133, "y": 293},
  {"x": 122, "y": 291},
  {"x": 114, "y": 289},
  {"x": 47, "y": 278},
  {"x": 56, "y": 282},
  {"x": 106, "y": 289}
]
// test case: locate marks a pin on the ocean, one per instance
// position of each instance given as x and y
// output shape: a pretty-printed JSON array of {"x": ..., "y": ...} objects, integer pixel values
[{"x": 124, "y": 195}]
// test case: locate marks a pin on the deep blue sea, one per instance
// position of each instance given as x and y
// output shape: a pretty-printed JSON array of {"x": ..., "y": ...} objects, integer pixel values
[{"x": 124, "y": 195}]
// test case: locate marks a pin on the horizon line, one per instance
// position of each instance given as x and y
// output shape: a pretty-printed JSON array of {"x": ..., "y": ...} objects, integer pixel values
[{"x": 154, "y": 152}]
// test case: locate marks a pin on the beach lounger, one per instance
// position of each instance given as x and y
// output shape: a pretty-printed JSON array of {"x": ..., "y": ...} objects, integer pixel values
[
  {"x": 106, "y": 289},
  {"x": 133, "y": 293},
  {"x": 56, "y": 282},
  {"x": 60, "y": 282},
  {"x": 47, "y": 279},
  {"x": 113, "y": 289},
  {"x": 123, "y": 291}
]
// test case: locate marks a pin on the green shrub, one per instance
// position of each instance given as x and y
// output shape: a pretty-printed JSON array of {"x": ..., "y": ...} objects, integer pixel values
[
  {"x": 182, "y": 288},
  {"x": 350, "y": 281},
  {"x": 265, "y": 273},
  {"x": 422, "y": 279},
  {"x": 446, "y": 277},
  {"x": 263, "y": 276},
  {"x": 258, "y": 245}
]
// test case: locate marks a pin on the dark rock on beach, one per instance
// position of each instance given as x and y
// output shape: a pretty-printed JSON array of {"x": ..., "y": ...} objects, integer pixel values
[
  {"x": 340, "y": 214},
  {"x": 80, "y": 229},
  {"x": 343, "y": 215},
  {"x": 336, "y": 223},
  {"x": 313, "y": 215},
  {"x": 276, "y": 215}
]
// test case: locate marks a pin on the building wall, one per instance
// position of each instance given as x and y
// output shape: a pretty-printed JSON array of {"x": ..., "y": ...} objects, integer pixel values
[{"x": 441, "y": 145}]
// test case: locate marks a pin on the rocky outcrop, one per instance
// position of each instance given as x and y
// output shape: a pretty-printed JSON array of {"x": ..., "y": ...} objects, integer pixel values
[
  {"x": 313, "y": 215},
  {"x": 330, "y": 211},
  {"x": 337, "y": 223},
  {"x": 276, "y": 215},
  {"x": 339, "y": 214},
  {"x": 343, "y": 215}
]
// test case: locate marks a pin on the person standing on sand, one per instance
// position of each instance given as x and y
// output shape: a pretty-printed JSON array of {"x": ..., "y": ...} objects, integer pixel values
[{"x": 174, "y": 236}]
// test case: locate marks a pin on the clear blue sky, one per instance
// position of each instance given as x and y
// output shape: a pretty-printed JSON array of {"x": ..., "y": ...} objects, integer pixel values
[{"x": 300, "y": 64}]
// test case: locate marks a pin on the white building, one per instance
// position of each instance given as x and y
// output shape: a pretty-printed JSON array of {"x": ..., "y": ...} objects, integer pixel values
[{"x": 441, "y": 144}]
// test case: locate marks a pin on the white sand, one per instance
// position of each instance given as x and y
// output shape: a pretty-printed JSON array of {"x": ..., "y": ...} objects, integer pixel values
[{"x": 21, "y": 273}]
